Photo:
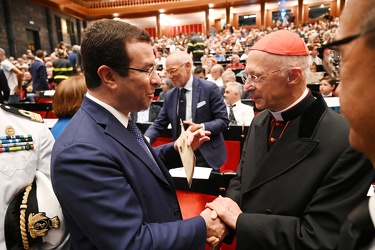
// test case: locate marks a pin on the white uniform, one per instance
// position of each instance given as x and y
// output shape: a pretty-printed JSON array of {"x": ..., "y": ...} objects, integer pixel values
[{"x": 18, "y": 168}]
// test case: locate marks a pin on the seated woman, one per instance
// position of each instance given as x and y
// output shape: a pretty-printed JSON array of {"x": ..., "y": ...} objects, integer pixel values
[{"x": 67, "y": 100}]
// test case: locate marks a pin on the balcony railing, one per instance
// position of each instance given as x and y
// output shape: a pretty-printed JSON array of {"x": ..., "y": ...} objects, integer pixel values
[{"x": 119, "y": 3}]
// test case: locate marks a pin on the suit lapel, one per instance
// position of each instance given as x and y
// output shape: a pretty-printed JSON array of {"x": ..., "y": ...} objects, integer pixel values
[
  {"x": 279, "y": 159},
  {"x": 172, "y": 111},
  {"x": 117, "y": 131},
  {"x": 195, "y": 98}
]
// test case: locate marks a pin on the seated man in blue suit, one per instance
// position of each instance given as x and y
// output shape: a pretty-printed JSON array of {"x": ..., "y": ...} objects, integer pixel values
[
  {"x": 114, "y": 188},
  {"x": 204, "y": 109}
]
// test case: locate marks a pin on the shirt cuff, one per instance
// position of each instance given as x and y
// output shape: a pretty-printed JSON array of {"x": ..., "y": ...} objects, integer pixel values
[
  {"x": 202, "y": 126},
  {"x": 371, "y": 207}
]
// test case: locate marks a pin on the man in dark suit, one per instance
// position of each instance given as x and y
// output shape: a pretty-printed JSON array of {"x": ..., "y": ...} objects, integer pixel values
[
  {"x": 39, "y": 72},
  {"x": 357, "y": 99},
  {"x": 205, "y": 109},
  {"x": 4, "y": 88},
  {"x": 147, "y": 115},
  {"x": 298, "y": 177},
  {"x": 114, "y": 188}
]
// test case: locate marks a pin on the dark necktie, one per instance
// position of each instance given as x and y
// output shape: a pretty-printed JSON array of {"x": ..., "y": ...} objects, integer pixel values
[
  {"x": 232, "y": 119},
  {"x": 182, "y": 105},
  {"x": 133, "y": 129}
]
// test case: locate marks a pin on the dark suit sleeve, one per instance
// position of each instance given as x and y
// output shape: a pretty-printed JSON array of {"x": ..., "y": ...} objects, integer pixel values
[
  {"x": 42, "y": 72},
  {"x": 104, "y": 201},
  {"x": 358, "y": 231},
  {"x": 219, "y": 121},
  {"x": 318, "y": 226}
]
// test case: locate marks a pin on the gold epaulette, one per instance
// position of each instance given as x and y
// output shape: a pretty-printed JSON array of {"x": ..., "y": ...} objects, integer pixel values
[{"x": 27, "y": 114}]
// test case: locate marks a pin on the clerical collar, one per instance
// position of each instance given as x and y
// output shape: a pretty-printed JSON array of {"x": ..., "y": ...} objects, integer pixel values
[{"x": 296, "y": 109}]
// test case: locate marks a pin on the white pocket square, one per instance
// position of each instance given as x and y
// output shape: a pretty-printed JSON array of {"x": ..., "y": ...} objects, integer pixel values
[{"x": 201, "y": 104}]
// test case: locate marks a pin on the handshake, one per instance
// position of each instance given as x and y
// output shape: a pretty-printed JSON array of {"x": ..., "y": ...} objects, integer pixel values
[{"x": 219, "y": 214}]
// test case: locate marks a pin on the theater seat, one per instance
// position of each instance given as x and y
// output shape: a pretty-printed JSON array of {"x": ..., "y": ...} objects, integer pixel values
[
  {"x": 192, "y": 204},
  {"x": 234, "y": 156},
  {"x": 161, "y": 141}
]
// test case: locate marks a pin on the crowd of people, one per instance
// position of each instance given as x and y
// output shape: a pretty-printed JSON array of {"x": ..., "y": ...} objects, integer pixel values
[
  {"x": 299, "y": 177},
  {"x": 39, "y": 71}
]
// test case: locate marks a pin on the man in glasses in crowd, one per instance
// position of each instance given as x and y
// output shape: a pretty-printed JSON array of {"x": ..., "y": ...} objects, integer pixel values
[
  {"x": 114, "y": 188},
  {"x": 298, "y": 177},
  {"x": 354, "y": 46},
  {"x": 199, "y": 104}
]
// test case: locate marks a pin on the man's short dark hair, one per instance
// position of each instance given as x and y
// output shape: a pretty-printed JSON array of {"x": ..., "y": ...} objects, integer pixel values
[
  {"x": 39, "y": 53},
  {"x": 104, "y": 43},
  {"x": 198, "y": 70}
]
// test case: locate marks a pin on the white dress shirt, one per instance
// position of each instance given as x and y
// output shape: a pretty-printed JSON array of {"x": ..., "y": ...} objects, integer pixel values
[{"x": 243, "y": 113}]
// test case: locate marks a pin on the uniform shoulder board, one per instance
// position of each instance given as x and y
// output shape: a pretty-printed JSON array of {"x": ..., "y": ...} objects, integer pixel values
[{"x": 20, "y": 112}]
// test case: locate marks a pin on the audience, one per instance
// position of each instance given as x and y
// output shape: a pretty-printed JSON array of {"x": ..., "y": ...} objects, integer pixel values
[
  {"x": 215, "y": 76},
  {"x": 327, "y": 86},
  {"x": 62, "y": 69},
  {"x": 200, "y": 72},
  {"x": 38, "y": 71},
  {"x": 14, "y": 77},
  {"x": 238, "y": 113},
  {"x": 235, "y": 63},
  {"x": 166, "y": 85},
  {"x": 66, "y": 101}
]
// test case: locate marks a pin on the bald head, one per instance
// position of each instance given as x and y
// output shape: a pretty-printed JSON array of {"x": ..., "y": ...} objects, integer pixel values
[{"x": 180, "y": 57}]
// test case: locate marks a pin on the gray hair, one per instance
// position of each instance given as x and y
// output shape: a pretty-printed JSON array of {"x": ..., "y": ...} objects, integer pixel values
[
  {"x": 237, "y": 87},
  {"x": 2, "y": 51},
  {"x": 293, "y": 61},
  {"x": 230, "y": 73}
]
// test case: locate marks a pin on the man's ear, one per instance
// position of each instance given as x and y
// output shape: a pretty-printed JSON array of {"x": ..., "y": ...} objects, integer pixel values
[
  {"x": 108, "y": 76},
  {"x": 294, "y": 75}
]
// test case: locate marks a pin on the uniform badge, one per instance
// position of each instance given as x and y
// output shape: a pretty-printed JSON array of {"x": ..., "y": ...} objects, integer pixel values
[
  {"x": 9, "y": 130},
  {"x": 12, "y": 142}
]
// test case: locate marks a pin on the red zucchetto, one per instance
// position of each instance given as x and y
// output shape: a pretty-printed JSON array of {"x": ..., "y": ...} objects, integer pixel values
[{"x": 282, "y": 42}]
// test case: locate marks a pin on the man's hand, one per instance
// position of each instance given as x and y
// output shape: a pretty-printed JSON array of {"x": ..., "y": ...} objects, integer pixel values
[
  {"x": 193, "y": 126},
  {"x": 216, "y": 229},
  {"x": 193, "y": 139},
  {"x": 226, "y": 209}
]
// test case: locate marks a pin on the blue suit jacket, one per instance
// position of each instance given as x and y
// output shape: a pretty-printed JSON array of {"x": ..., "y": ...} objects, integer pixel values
[
  {"x": 112, "y": 194},
  {"x": 39, "y": 73},
  {"x": 208, "y": 107}
]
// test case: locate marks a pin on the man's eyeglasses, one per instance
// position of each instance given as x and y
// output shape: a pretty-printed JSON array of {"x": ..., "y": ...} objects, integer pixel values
[
  {"x": 174, "y": 71},
  {"x": 255, "y": 80},
  {"x": 149, "y": 71},
  {"x": 332, "y": 56}
]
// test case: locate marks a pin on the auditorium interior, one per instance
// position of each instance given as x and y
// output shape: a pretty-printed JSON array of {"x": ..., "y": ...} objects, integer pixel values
[{"x": 30, "y": 25}]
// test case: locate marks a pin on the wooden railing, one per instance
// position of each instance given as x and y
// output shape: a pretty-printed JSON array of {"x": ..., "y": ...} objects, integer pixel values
[{"x": 120, "y": 3}]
